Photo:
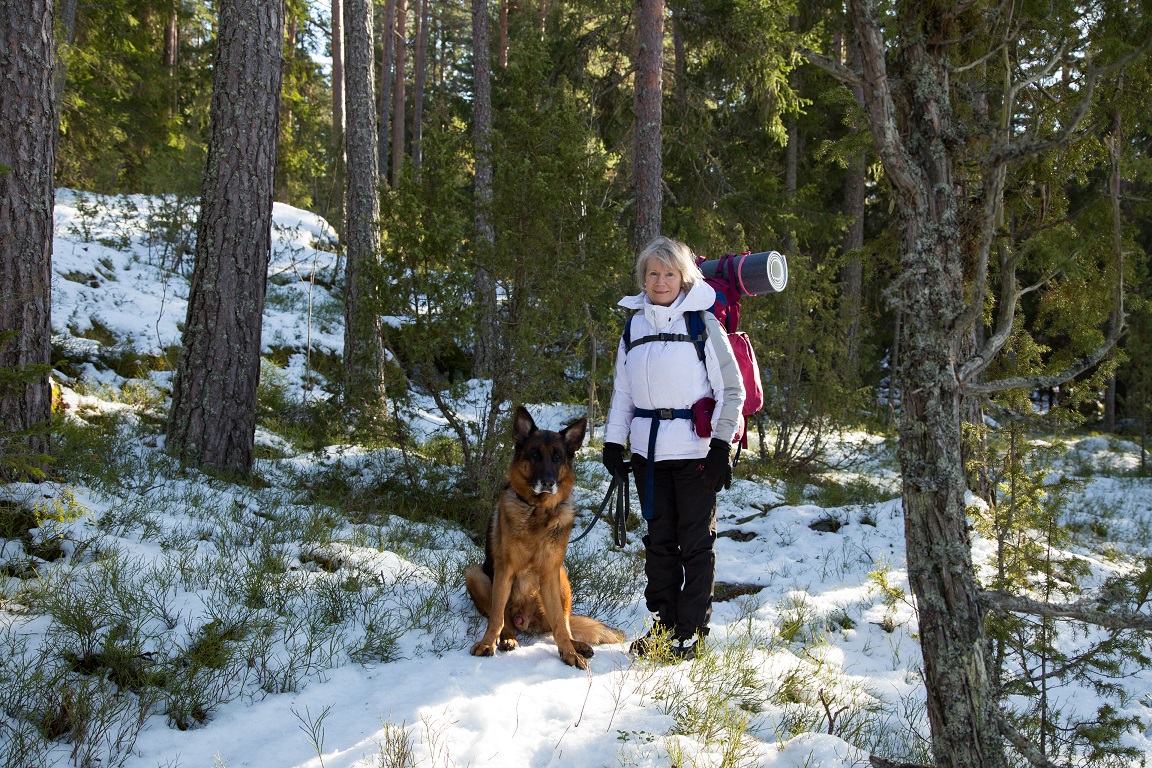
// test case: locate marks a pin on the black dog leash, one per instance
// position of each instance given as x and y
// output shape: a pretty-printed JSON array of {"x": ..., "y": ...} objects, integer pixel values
[{"x": 620, "y": 510}]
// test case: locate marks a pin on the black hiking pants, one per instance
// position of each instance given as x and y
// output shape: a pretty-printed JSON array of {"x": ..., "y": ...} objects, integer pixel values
[{"x": 679, "y": 550}]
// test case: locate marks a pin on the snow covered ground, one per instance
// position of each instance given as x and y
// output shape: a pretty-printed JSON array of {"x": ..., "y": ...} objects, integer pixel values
[{"x": 818, "y": 667}]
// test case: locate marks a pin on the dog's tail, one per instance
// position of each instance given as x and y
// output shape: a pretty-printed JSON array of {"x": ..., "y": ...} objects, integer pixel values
[
  {"x": 593, "y": 632},
  {"x": 479, "y": 587}
]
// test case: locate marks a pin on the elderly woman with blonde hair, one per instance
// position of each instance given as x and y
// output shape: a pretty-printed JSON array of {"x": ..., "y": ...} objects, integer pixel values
[{"x": 662, "y": 371}]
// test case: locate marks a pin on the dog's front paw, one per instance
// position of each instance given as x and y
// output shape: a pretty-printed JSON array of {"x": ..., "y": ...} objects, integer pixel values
[
  {"x": 508, "y": 644},
  {"x": 483, "y": 649},
  {"x": 574, "y": 659},
  {"x": 583, "y": 649}
]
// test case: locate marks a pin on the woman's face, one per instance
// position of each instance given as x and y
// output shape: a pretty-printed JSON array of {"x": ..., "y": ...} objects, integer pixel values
[{"x": 662, "y": 282}]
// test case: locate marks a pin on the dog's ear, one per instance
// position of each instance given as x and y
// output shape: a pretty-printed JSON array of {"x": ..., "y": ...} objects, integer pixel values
[
  {"x": 522, "y": 425},
  {"x": 573, "y": 435}
]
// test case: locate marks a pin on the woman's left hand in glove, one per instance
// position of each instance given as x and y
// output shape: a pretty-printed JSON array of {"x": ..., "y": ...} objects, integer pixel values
[{"x": 718, "y": 465}]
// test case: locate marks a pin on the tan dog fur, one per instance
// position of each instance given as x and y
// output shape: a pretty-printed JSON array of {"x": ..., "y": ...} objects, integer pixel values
[{"x": 523, "y": 586}]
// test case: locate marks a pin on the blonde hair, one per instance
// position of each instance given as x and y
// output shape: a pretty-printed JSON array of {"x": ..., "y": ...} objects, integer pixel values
[{"x": 672, "y": 253}]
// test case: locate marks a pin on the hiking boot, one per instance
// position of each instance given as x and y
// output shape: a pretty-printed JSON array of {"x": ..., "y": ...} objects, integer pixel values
[
  {"x": 658, "y": 636},
  {"x": 686, "y": 650}
]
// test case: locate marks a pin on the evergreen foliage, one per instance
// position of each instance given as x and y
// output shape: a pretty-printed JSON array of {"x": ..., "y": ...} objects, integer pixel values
[{"x": 136, "y": 120}]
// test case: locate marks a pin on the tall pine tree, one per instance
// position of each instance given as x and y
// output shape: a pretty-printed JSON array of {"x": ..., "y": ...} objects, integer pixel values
[
  {"x": 27, "y": 198},
  {"x": 213, "y": 418}
]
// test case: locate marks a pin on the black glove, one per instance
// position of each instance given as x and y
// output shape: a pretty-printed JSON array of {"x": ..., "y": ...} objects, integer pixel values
[
  {"x": 718, "y": 465},
  {"x": 613, "y": 458}
]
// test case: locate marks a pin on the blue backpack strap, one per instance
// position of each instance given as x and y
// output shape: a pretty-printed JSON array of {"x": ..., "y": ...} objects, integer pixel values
[{"x": 697, "y": 331}]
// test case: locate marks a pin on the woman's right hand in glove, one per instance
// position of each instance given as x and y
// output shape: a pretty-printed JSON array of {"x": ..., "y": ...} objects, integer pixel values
[{"x": 613, "y": 458}]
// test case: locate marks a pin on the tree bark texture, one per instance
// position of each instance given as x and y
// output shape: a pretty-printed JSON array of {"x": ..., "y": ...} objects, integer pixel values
[
  {"x": 398, "y": 118},
  {"x": 213, "y": 417},
  {"x": 387, "y": 59},
  {"x": 917, "y": 150},
  {"x": 791, "y": 168},
  {"x": 648, "y": 167},
  {"x": 502, "y": 39},
  {"x": 679, "y": 57},
  {"x": 483, "y": 358},
  {"x": 363, "y": 350},
  {"x": 66, "y": 24},
  {"x": 171, "y": 42},
  {"x": 27, "y": 198},
  {"x": 419, "y": 66},
  {"x": 338, "y": 76},
  {"x": 852, "y": 273}
]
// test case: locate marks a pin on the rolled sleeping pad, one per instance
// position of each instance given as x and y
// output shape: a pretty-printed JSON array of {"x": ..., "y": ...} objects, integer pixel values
[{"x": 756, "y": 273}]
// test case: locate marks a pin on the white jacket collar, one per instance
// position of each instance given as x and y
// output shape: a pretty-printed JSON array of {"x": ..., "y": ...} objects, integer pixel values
[{"x": 699, "y": 296}]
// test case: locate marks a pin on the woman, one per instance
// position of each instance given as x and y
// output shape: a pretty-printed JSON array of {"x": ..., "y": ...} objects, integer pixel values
[{"x": 660, "y": 375}]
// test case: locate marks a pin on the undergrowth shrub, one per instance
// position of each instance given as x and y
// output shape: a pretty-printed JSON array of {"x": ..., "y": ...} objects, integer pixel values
[
  {"x": 605, "y": 583},
  {"x": 1041, "y": 660}
]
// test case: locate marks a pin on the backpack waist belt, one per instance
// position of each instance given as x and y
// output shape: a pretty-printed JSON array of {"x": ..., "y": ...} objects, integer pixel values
[{"x": 657, "y": 415}]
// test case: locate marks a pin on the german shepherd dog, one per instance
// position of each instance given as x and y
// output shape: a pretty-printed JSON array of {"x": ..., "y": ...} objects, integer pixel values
[{"x": 522, "y": 586}]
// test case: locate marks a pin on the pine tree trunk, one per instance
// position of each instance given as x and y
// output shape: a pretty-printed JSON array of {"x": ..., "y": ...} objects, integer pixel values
[
  {"x": 387, "y": 58},
  {"x": 1115, "y": 142},
  {"x": 172, "y": 58},
  {"x": 912, "y": 135},
  {"x": 171, "y": 43},
  {"x": 679, "y": 65},
  {"x": 66, "y": 19},
  {"x": 213, "y": 417},
  {"x": 502, "y": 41},
  {"x": 27, "y": 199},
  {"x": 66, "y": 32},
  {"x": 791, "y": 167},
  {"x": 282, "y": 189},
  {"x": 338, "y": 76},
  {"x": 852, "y": 273},
  {"x": 363, "y": 349},
  {"x": 398, "y": 91},
  {"x": 648, "y": 169},
  {"x": 483, "y": 358},
  {"x": 419, "y": 66}
]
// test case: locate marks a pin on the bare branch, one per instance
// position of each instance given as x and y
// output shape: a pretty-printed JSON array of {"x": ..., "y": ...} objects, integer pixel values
[
  {"x": 1038, "y": 284},
  {"x": 1006, "y": 317},
  {"x": 881, "y": 106},
  {"x": 1025, "y": 747},
  {"x": 882, "y": 762},
  {"x": 1083, "y": 610},
  {"x": 990, "y": 213},
  {"x": 1073, "y": 665},
  {"x": 1010, "y": 153},
  {"x": 1074, "y": 369},
  {"x": 834, "y": 68},
  {"x": 976, "y": 62},
  {"x": 1043, "y": 72}
]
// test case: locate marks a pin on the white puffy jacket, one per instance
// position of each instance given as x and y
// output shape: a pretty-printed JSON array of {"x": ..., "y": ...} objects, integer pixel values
[{"x": 669, "y": 374}]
